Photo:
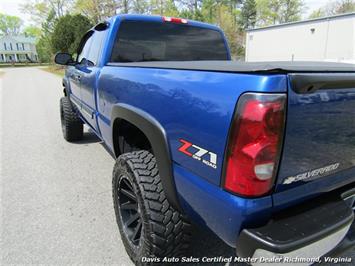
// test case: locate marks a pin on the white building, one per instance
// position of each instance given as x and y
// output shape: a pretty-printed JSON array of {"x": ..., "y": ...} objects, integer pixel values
[
  {"x": 17, "y": 49},
  {"x": 322, "y": 39}
]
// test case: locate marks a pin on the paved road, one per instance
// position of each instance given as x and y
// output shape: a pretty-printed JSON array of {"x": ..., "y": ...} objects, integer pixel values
[
  {"x": 56, "y": 205},
  {"x": 56, "y": 196}
]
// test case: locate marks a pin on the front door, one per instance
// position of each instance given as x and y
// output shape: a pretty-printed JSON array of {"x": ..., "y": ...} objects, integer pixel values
[
  {"x": 85, "y": 76},
  {"x": 74, "y": 80},
  {"x": 90, "y": 74},
  {"x": 75, "y": 72}
]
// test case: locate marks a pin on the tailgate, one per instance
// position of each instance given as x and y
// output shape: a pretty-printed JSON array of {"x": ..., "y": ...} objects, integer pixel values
[{"x": 319, "y": 143}]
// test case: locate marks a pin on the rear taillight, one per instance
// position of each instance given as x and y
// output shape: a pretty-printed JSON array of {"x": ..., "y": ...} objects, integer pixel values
[
  {"x": 255, "y": 142},
  {"x": 175, "y": 20}
]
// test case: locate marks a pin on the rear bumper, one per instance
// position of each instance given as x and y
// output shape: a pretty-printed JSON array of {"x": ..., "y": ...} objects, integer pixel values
[{"x": 304, "y": 233}]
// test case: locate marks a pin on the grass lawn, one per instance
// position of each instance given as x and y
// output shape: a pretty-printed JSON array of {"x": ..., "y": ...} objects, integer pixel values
[
  {"x": 2, "y": 65},
  {"x": 58, "y": 70}
]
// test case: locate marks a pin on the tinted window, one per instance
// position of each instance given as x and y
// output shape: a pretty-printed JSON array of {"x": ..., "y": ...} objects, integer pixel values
[
  {"x": 85, "y": 47},
  {"x": 95, "y": 47},
  {"x": 153, "y": 41}
]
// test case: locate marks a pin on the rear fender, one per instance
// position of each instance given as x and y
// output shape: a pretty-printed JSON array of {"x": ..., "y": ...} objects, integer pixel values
[{"x": 156, "y": 135}]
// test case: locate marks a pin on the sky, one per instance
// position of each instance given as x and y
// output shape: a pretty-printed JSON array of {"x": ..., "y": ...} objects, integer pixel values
[{"x": 12, "y": 7}]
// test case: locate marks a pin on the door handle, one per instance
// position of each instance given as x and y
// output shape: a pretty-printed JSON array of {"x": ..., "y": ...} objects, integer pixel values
[{"x": 76, "y": 77}]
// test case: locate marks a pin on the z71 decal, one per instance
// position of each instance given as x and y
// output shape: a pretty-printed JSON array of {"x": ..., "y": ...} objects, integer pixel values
[{"x": 198, "y": 153}]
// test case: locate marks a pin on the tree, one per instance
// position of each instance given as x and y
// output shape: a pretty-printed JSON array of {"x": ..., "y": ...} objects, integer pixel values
[
  {"x": 140, "y": 6},
  {"x": 32, "y": 31},
  {"x": 344, "y": 6},
  {"x": 40, "y": 9},
  {"x": 234, "y": 8},
  {"x": 291, "y": 10},
  {"x": 209, "y": 10},
  {"x": 318, "y": 13},
  {"x": 248, "y": 14},
  {"x": 124, "y": 6},
  {"x": 44, "y": 45},
  {"x": 44, "y": 50},
  {"x": 163, "y": 7},
  {"x": 226, "y": 20},
  {"x": 96, "y": 10},
  {"x": 68, "y": 31},
  {"x": 270, "y": 12},
  {"x": 191, "y": 9},
  {"x": 63, "y": 34},
  {"x": 10, "y": 24},
  {"x": 267, "y": 12},
  {"x": 49, "y": 23},
  {"x": 334, "y": 8}
]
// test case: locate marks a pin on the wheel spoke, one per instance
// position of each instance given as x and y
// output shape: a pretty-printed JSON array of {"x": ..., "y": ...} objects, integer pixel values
[
  {"x": 129, "y": 185},
  {"x": 129, "y": 206},
  {"x": 129, "y": 210},
  {"x": 128, "y": 194},
  {"x": 132, "y": 219},
  {"x": 136, "y": 231}
]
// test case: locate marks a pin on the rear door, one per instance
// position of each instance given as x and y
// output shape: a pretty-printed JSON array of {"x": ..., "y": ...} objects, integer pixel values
[{"x": 319, "y": 144}]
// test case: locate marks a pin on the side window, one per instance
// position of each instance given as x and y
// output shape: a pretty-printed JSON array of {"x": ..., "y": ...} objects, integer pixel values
[
  {"x": 95, "y": 47},
  {"x": 85, "y": 46}
]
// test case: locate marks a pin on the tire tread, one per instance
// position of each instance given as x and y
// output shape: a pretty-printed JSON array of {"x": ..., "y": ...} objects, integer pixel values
[
  {"x": 73, "y": 125},
  {"x": 170, "y": 232}
]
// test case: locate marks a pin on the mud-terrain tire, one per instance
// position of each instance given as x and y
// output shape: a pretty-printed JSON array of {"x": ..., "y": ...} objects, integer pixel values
[
  {"x": 138, "y": 194},
  {"x": 72, "y": 126}
]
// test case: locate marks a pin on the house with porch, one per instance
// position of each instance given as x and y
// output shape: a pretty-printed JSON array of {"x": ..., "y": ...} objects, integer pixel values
[{"x": 17, "y": 48}]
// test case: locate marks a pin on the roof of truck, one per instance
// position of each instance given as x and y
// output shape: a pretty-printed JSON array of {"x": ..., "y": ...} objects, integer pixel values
[
  {"x": 154, "y": 18},
  {"x": 247, "y": 67}
]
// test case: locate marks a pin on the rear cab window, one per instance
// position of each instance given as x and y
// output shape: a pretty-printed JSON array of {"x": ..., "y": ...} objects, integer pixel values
[{"x": 139, "y": 41}]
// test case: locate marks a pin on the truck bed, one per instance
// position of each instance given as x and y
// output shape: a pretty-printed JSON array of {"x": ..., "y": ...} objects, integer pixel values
[
  {"x": 246, "y": 67},
  {"x": 317, "y": 134}
]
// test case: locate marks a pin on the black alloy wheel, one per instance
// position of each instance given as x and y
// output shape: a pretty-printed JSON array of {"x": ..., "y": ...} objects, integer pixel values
[{"x": 130, "y": 212}]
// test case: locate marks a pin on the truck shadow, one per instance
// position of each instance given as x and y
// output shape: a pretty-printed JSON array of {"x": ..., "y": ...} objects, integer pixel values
[
  {"x": 206, "y": 244},
  {"x": 88, "y": 137}
]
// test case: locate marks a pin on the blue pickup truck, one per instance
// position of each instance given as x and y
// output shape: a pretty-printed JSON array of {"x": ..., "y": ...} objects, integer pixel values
[{"x": 262, "y": 154}]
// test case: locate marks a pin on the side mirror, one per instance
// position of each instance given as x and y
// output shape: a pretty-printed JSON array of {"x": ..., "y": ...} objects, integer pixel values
[{"x": 63, "y": 59}]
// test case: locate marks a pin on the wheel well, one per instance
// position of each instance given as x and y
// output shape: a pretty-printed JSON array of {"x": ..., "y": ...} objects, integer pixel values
[
  {"x": 127, "y": 138},
  {"x": 64, "y": 88}
]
